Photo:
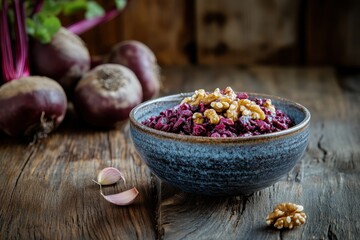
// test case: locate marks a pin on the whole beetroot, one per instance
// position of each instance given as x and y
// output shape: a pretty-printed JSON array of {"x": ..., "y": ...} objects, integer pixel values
[
  {"x": 65, "y": 59},
  {"x": 31, "y": 106},
  {"x": 142, "y": 61},
  {"x": 106, "y": 95}
]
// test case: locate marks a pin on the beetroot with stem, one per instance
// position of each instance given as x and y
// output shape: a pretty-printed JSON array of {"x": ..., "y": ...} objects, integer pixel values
[
  {"x": 106, "y": 95},
  {"x": 64, "y": 59},
  {"x": 31, "y": 106},
  {"x": 142, "y": 61}
]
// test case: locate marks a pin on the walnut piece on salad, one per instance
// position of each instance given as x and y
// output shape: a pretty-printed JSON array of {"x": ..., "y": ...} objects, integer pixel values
[
  {"x": 226, "y": 102},
  {"x": 221, "y": 113}
]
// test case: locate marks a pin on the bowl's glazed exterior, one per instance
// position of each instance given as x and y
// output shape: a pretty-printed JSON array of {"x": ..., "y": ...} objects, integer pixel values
[{"x": 219, "y": 166}]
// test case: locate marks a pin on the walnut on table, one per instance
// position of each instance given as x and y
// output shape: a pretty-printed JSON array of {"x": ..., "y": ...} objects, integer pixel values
[{"x": 286, "y": 215}]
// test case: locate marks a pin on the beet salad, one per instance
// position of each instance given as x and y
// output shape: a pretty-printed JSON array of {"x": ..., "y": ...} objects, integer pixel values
[{"x": 221, "y": 113}]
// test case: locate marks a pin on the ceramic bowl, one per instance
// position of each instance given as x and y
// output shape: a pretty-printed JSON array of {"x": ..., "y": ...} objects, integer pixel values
[{"x": 219, "y": 166}]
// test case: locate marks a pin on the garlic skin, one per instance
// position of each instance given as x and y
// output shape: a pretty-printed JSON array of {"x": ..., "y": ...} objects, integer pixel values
[
  {"x": 109, "y": 176},
  {"x": 122, "y": 198}
]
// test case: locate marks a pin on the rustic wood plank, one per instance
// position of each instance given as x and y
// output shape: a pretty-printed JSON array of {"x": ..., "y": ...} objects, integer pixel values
[
  {"x": 325, "y": 181},
  {"x": 236, "y": 32},
  {"x": 47, "y": 192},
  {"x": 163, "y": 25},
  {"x": 332, "y": 34},
  {"x": 246, "y": 32}
]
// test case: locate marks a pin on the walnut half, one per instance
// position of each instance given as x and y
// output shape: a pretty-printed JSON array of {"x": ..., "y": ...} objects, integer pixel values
[
  {"x": 250, "y": 108},
  {"x": 286, "y": 215},
  {"x": 198, "y": 118},
  {"x": 213, "y": 117}
]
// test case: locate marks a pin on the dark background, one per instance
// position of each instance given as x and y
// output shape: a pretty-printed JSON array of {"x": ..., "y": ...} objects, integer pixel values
[{"x": 240, "y": 32}]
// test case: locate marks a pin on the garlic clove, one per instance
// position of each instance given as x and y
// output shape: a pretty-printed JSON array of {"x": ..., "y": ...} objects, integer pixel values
[
  {"x": 122, "y": 198},
  {"x": 109, "y": 176}
]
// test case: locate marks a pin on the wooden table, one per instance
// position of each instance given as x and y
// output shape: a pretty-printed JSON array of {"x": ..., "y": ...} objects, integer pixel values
[{"x": 46, "y": 190}]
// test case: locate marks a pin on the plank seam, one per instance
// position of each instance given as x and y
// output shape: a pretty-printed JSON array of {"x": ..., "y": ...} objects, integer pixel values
[{"x": 20, "y": 174}]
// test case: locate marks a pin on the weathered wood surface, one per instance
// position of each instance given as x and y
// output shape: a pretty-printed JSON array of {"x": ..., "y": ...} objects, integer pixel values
[
  {"x": 235, "y": 31},
  {"x": 331, "y": 32},
  {"x": 46, "y": 190},
  {"x": 245, "y": 32},
  {"x": 166, "y": 26}
]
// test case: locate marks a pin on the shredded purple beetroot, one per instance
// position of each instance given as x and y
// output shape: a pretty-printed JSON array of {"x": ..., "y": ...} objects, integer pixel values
[{"x": 179, "y": 120}]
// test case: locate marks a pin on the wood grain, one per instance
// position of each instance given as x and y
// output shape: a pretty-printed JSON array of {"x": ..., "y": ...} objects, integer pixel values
[
  {"x": 282, "y": 32},
  {"x": 163, "y": 25},
  {"x": 246, "y": 32},
  {"x": 332, "y": 33},
  {"x": 47, "y": 192}
]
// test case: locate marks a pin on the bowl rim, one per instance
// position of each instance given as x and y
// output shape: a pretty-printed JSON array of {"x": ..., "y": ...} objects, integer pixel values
[{"x": 189, "y": 138}]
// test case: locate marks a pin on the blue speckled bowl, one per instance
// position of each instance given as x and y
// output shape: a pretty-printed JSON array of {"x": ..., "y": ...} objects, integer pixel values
[{"x": 219, "y": 166}]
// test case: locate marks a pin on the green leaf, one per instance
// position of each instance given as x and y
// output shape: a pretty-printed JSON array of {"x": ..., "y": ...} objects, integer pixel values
[
  {"x": 52, "y": 25},
  {"x": 30, "y": 26},
  {"x": 42, "y": 35},
  {"x": 75, "y": 6},
  {"x": 53, "y": 7},
  {"x": 93, "y": 10},
  {"x": 43, "y": 27},
  {"x": 120, "y": 4},
  {"x": 29, "y": 7}
]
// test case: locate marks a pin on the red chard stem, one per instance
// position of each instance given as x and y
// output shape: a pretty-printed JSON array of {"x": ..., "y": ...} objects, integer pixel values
[
  {"x": 37, "y": 8},
  {"x": 14, "y": 69}
]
